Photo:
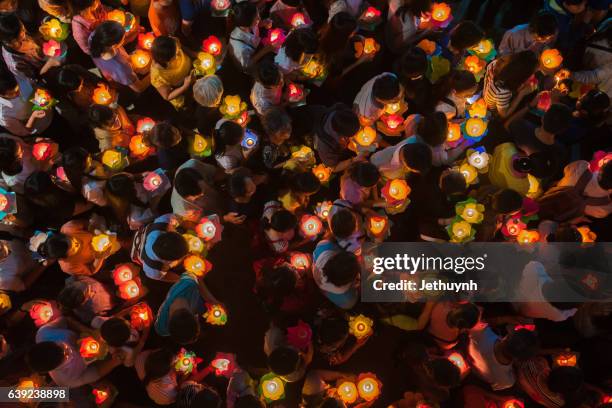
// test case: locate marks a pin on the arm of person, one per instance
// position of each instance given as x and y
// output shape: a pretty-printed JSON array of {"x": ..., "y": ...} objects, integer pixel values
[
  {"x": 169, "y": 94},
  {"x": 34, "y": 274},
  {"x": 259, "y": 54},
  {"x": 96, "y": 371},
  {"x": 170, "y": 277},
  {"x": 140, "y": 85},
  {"x": 523, "y": 91},
  {"x": 39, "y": 114},
  {"x": 50, "y": 63},
  {"x": 205, "y": 293},
  {"x": 17, "y": 128}
]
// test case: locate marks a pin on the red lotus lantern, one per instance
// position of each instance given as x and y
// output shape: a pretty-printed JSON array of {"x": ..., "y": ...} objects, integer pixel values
[
  {"x": 458, "y": 360},
  {"x": 607, "y": 399},
  {"x": 300, "y": 260},
  {"x": 310, "y": 226},
  {"x": 297, "y": 20},
  {"x": 145, "y": 125},
  {"x": 100, "y": 395},
  {"x": 221, "y": 5},
  {"x": 212, "y": 45},
  {"x": 90, "y": 348},
  {"x": 52, "y": 49},
  {"x": 140, "y": 316},
  {"x": 544, "y": 101},
  {"x": 123, "y": 273},
  {"x": 513, "y": 403},
  {"x": 224, "y": 364},
  {"x": 41, "y": 313},
  {"x": 129, "y": 290},
  {"x": 296, "y": 92},
  {"x": 393, "y": 122},
  {"x": 395, "y": 191},
  {"x": 43, "y": 150},
  {"x": 276, "y": 37},
  {"x": 371, "y": 13},
  {"x": 145, "y": 41}
]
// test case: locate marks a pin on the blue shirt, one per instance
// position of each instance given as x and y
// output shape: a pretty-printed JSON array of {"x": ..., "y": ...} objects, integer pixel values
[
  {"x": 185, "y": 288},
  {"x": 191, "y": 9}
]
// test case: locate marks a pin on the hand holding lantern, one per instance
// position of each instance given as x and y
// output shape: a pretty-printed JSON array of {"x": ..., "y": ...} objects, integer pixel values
[{"x": 42, "y": 100}]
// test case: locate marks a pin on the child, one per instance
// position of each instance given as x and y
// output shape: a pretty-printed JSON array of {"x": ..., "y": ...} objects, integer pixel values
[
  {"x": 244, "y": 39},
  {"x": 404, "y": 158},
  {"x": 375, "y": 95},
  {"x": 112, "y": 127},
  {"x": 171, "y": 70},
  {"x": 540, "y": 33},
  {"x": 336, "y": 273},
  {"x": 267, "y": 90},
  {"x": 358, "y": 184},
  {"x": 302, "y": 187}
]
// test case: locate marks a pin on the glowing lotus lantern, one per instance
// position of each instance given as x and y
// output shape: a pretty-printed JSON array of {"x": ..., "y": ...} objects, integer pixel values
[
  {"x": 232, "y": 106},
  {"x": 53, "y": 49},
  {"x": 100, "y": 395},
  {"x": 153, "y": 180},
  {"x": 460, "y": 231},
  {"x": 89, "y": 347},
  {"x": 371, "y": 13},
  {"x": 562, "y": 75},
  {"x": 220, "y": 7},
  {"x": 42, "y": 100},
  {"x": 197, "y": 265},
  {"x": 145, "y": 125},
  {"x": 478, "y": 159},
  {"x": 365, "y": 137},
  {"x": 474, "y": 64},
  {"x": 544, "y": 101},
  {"x": 392, "y": 108},
  {"x": 43, "y": 150},
  {"x": 360, "y": 326},
  {"x": 454, "y": 132},
  {"x": 138, "y": 148},
  {"x": 101, "y": 243},
  {"x": 551, "y": 58},
  {"x": 368, "y": 386},
  {"x": 513, "y": 227},
  {"x": 478, "y": 109},
  {"x": 271, "y": 387},
  {"x": 458, "y": 360},
  {"x": 586, "y": 234},
  {"x": 313, "y": 69},
  {"x": 322, "y": 172},
  {"x": 567, "y": 359},
  {"x": 113, "y": 159},
  {"x": 310, "y": 226},
  {"x": 60, "y": 173},
  {"x": 377, "y": 226},
  {"x": 5, "y": 302},
  {"x": 194, "y": 243},
  {"x": 41, "y": 313},
  {"x": 276, "y": 37},
  {"x": 102, "y": 95},
  {"x": 250, "y": 140},
  {"x": 469, "y": 172},
  {"x": 140, "y": 59},
  {"x": 209, "y": 229},
  {"x": 201, "y": 146},
  {"x": 185, "y": 362},
  {"x": 428, "y": 46},
  {"x": 440, "y": 15},
  {"x": 215, "y": 315},
  {"x": 392, "y": 122},
  {"x": 224, "y": 364},
  {"x": 300, "y": 260},
  {"x": 470, "y": 211},
  {"x": 123, "y": 273},
  {"x": 129, "y": 290},
  {"x": 117, "y": 16},
  {"x": 323, "y": 208},
  {"x": 527, "y": 237},
  {"x": 4, "y": 202},
  {"x": 395, "y": 191},
  {"x": 205, "y": 64},
  {"x": 140, "y": 316},
  {"x": 296, "y": 92},
  {"x": 298, "y": 20},
  {"x": 474, "y": 129},
  {"x": 513, "y": 403},
  {"x": 53, "y": 29},
  {"x": 347, "y": 391},
  {"x": 370, "y": 46},
  {"x": 212, "y": 45},
  {"x": 26, "y": 384},
  {"x": 484, "y": 50},
  {"x": 145, "y": 40},
  {"x": 607, "y": 399}
]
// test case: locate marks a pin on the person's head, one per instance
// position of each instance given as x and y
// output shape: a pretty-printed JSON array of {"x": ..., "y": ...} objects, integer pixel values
[
  {"x": 593, "y": 105},
  {"x": 170, "y": 246},
  {"x": 10, "y": 156},
  {"x": 506, "y": 201},
  {"x": 56, "y": 246},
  {"x": 183, "y": 326},
  {"x": 268, "y": 74},
  {"x": 227, "y": 135},
  {"x": 463, "y": 316},
  {"x": 164, "y": 50},
  {"x": 539, "y": 164},
  {"x": 301, "y": 42},
  {"x": 342, "y": 268},
  {"x": 103, "y": 117},
  {"x": 604, "y": 176},
  {"x": 208, "y": 91},
  {"x": 69, "y": 78},
  {"x": 157, "y": 364},
  {"x": 387, "y": 89},
  {"x": 45, "y": 356},
  {"x": 565, "y": 233},
  {"x": 452, "y": 183},
  {"x": 575, "y": 6},
  {"x": 343, "y": 223},
  {"x": 332, "y": 333},
  {"x": 365, "y": 174},
  {"x": 106, "y": 38},
  {"x": 443, "y": 372},
  {"x": 189, "y": 184},
  {"x": 245, "y": 14},
  {"x": 516, "y": 69},
  {"x": 433, "y": 128},
  {"x": 335, "y": 35},
  {"x": 122, "y": 185},
  {"x": 345, "y": 123},
  {"x": 164, "y": 135},
  {"x": 276, "y": 283},
  {"x": 208, "y": 397},
  {"x": 9, "y": 88},
  {"x": 74, "y": 295},
  {"x": 12, "y": 32},
  {"x": 417, "y": 157},
  {"x": 557, "y": 119},
  {"x": 281, "y": 221},
  {"x": 520, "y": 344},
  {"x": 284, "y": 360},
  {"x": 241, "y": 186},
  {"x": 463, "y": 84},
  {"x": 305, "y": 183},
  {"x": 543, "y": 26},
  {"x": 248, "y": 401},
  {"x": 115, "y": 331},
  {"x": 277, "y": 125},
  {"x": 78, "y": 6},
  {"x": 76, "y": 161},
  {"x": 412, "y": 65},
  {"x": 565, "y": 380},
  {"x": 465, "y": 35}
]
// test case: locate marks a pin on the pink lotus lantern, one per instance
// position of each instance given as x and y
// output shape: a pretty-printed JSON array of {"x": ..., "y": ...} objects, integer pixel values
[
  {"x": 152, "y": 181},
  {"x": 41, "y": 313},
  {"x": 124, "y": 273},
  {"x": 145, "y": 125},
  {"x": 310, "y": 226},
  {"x": 129, "y": 290},
  {"x": 145, "y": 41}
]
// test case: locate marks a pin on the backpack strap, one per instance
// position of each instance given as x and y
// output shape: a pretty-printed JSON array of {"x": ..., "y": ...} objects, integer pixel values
[
  {"x": 581, "y": 185},
  {"x": 583, "y": 181}
]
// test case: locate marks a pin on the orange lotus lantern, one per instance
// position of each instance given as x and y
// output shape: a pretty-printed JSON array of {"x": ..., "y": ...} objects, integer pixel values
[
  {"x": 396, "y": 190},
  {"x": 100, "y": 395},
  {"x": 300, "y": 260},
  {"x": 140, "y": 316},
  {"x": 123, "y": 273},
  {"x": 145, "y": 125},
  {"x": 145, "y": 41},
  {"x": 118, "y": 16},
  {"x": 102, "y": 95},
  {"x": 90, "y": 348},
  {"x": 212, "y": 45},
  {"x": 368, "y": 386},
  {"x": 377, "y": 224},
  {"x": 513, "y": 403},
  {"x": 440, "y": 12},
  {"x": 551, "y": 58},
  {"x": 322, "y": 172},
  {"x": 586, "y": 234},
  {"x": 360, "y": 326},
  {"x": 310, "y": 226},
  {"x": 138, "y": 147},
  {"x": 196, "y": 265},
  {"x": 215, "y": 314},
  {"x": 297, "y": 20},
  {"x": 528, "y": 237},
  {"x": 366, "y": 136},
  {"x": 458, "y": 360},
  {"x": 129, "y": 290},
  {"x": 42, "y": 150},
  {"x": 370, "y": 46},
  {"x": 140, "y": 59},
  {"x": 347, "y": 391},
  {"x": 454, "y": 132},
  {"x": 566, "y": 360},
  {"x": 474, "y": 64}
]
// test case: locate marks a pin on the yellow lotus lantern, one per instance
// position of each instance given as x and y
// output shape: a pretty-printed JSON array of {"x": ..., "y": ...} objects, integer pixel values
[
  {"x": 368, "y": 386},
  {"x": 551, "y": 58},
  {"x": 101, "y": 243},
  {"x": 393, "y": 107},
  {"x": 360, "y": 326},
  {"x": 194, "y": 243},
  {"x": 586, "y": 234},
  {"x": 205, "y": 64},
  {"x": 528, "y": 236},
  {"x": 469, "y": 172},
  {"x": 322, "y": 172},
  {"x": 271, "y": 387},
  {"x": 53, "y": 29},
  {"x": 112, "y": 159},
  {"x": 232, "y": 106},
  {"x": 440, "y": 12},
  {"x": 475, "y": 127},
  {"x": 478, "y": 109},
  {"x": 366, "y": 136},
  {"x": 454, "y": 132},
  {"x": 485, "y": 46},
  {"x": 461, "y": 229},
  {"x": 471, "y": 212},
  {"x": 312, "y": 69},
  {"x": 478, "y": 159},
  {"x": 347, "y": 391}
]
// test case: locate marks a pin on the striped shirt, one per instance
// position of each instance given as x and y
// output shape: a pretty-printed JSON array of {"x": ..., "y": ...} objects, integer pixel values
[{"x": 496, "y": 97}]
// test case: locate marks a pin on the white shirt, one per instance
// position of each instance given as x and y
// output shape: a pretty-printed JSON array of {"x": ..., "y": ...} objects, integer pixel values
[
  {"x": 284, "y": 63},
  {"x": 364, "y": 101},
  {"x": 15, "y": 266},
  {"x": 389, "y": 162},
  {"x": 572, "y": 173},
  {"x": 482, "y": 351},
  {"x": 243, "y": 45},
  {"x": 264, "y": 98},
  {"x": 28, "y": 165},
  {"x": 162, "y": 390},
  {"x": 14, "y": 114}
]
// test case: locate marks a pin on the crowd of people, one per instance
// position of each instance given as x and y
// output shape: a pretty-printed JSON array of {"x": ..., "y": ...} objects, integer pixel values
[{"x": 187, "y": 188}]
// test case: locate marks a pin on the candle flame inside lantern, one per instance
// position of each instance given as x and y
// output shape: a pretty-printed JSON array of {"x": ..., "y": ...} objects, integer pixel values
[
  {"x": 461, "y": 229},
  {"x": 206, "y": 229},
  {"x": 440, "y": 12},
  {"x": 347, "y": 391},
  {"x": 368, "y": 387},
  {"x": 551, "y": 58},
  {"x": 567, "y": 360},
  {"x": 139, "y": 316},
  {"x": 513, "y": 403},
  {"x": 275, "y": 35},
  {"x": 272, "y": 388},
  {"x": 360, "y": 326},
  {"x": 145, "y": 41},
  {"x": 221, "y": 5},
  {"x": 212, "y": 45},
  {"x": 138, "y": 147},
  {"x": 215, "y": 315},
  {"x": 393, "y": 121},
  {"x": 300, "y": 261},
  {"x": 454, "y": 132},
  {"x": 366, "y": 136},
  {"x": 41, "y": 313},
  {"x": 89, "y": 347},
  {"x": 101, "y": 243},
  {"x": 311, "y": 225},
  {"x": 129, "y": 290},
  {"x": 378, "y": 224},
  {"x": 392, "y": 108},
  {"x": 370, "y": 47},
  {"x": 41, "y": 151},
  {"x": 122, "y": 274},
  {"x": 117, "y": 15},
  {"x": 140, "y": 59},
  {"x": 207, "y": 61},
  {"x": 297, "y": 20},
  {"x": 195, "y": 264},
  {"x": 371, "y": 13},
  {"x": 100, "y": 395},
  {"x": 152, "y": 181},
  {"x": 458, "y": 360},
  {"x": 399, "y": 189},
  {"x": 322, "y": 172},
  {"x": 295, "y": 92},
  {"x": 194, "y": 243},
  {"x": 102, "y": 95}
]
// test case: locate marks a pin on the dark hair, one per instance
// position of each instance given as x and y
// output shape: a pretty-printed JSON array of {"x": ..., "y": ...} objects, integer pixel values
[
  {"x": 306, "y": 183},
  {"x": 462, "y": 80},
  {"x": 69, "y": 78},
  {"x": 557, "y": 119},
  {"x": 342, "y": 268},
  {"x": 183, "y": 326},
  {"x": 248, "y": 401},
  {"x": 335, "y": 35},
  {"x": 513, "y": 70},
  {"x": 268, "y": 73},
  {"x": 9, "y": 162},
  {"x": 283, "y": 360},
  {"x": 300, "y": 41},
  {"x": 565, "y": 233},
  {"x": 281, "y": 221},
  {"x": 521, "y": 344},
  {"x": 345, "y": 121},
  {"x": 164, "y": 135},
  {"x": 343, "y": 223},
  {"x": 157, "y": 364},
  {"x": 7, "y": 82},
  {"x": 236, "y": 184},
  {"x": 332, "y": 330},
  {"x": 74, "y": 161},
  {"x": 417, "y": 156},
  {"x": 275, "y": 120},
  {"x": 331, "y": 402},
  {"x": 71, "y": 297},
  {"x": 452, "y": 183},
  {"x": 506, "y": 201},
  {"x": 244, "y": 14},
  {"x": 115, "y": 331},
  {"x": 81, "y": 5},
  {"x": 365, "y": 174},
  {"x": 543, "y": 164},
  {"x": 107, "y": 34},
  {"x": 543, "y": 24},
  {"x": 208, "y": 397},
  {"x": 386, "y": 87},
  {"x": 122, "y": 185},
  {"x": 605, "y": 175},
  {"x": 565, "y": 380},
  {"x": 10, "y": 27},
  {"x": 464, "y": 35},
  {"x": 55, "y": 247},
  {"x": 275, "y": 284},
  {"x": 100, "y": 115},
  {"x": 170, "y": 246},
  {"x": 444, "y": 372},
  {"x": 412, "y": 63},
  {"x": 229, "y": 134},
  {"x": 163, "y": 50},
  {"x": 45, "y": 356},
  {"x": 433, "y": 128},
  {"x": 186, "y": 182},
  {"x": 596, "y": 104},
  {"x": 463, "y": 316},
  {"x": 414, "y": 7}
]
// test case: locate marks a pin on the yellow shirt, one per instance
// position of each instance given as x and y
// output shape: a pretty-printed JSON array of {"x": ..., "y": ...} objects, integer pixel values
[{"x": 173, "y": 75}]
